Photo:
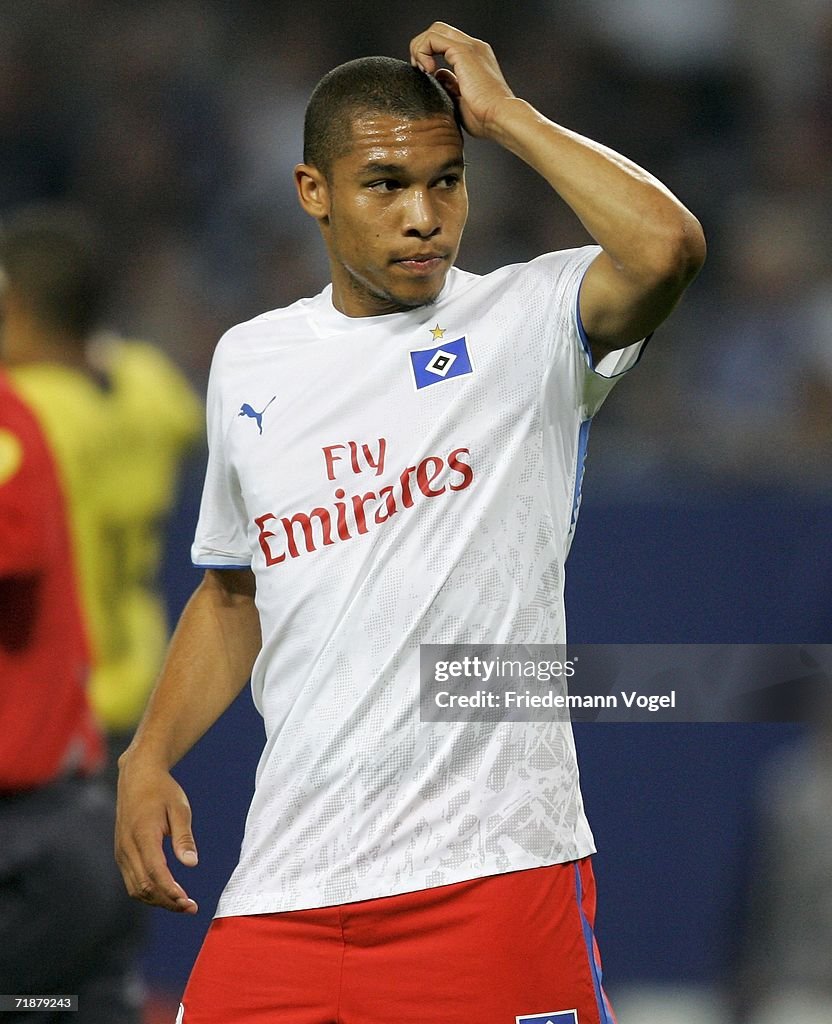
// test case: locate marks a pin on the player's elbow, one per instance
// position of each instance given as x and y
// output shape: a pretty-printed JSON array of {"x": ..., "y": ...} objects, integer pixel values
[
  {"x": 691, "y": 247},
  {"x": 680, "y": 253}
]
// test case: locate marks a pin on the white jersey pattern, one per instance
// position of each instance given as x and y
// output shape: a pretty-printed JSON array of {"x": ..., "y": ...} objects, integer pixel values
[{"x": 397, "y": 480}]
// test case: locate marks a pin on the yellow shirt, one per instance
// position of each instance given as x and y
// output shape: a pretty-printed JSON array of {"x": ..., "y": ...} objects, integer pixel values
[{"x": 119, "y": 449}]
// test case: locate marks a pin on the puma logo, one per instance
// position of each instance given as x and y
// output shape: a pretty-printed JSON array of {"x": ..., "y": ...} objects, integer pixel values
[{"x": 246, "y": 410}]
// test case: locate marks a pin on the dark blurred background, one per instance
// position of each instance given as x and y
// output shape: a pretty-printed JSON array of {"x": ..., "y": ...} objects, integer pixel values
[{"x": 707, "y": 510}]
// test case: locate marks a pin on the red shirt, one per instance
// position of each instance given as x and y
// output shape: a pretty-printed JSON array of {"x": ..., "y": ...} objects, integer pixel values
[{"x": 46, "y": 725}]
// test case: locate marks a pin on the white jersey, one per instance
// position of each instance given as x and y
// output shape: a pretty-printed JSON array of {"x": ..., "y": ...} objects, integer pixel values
[{"x": 393, "y": 481}]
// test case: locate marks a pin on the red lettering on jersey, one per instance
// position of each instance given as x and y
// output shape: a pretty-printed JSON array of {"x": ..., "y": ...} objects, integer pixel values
[
  {"x": 305, "y": 523},
  {"x": 459, "y": 466},
  {"x": 378, "y": 465},
  {"x": 331, "y": 459},
  {"x": 343, "y": 529},
  {"x": 263, "y": 536},
  {"x": 389, "y": 505},
  {"x": 391, "y": 499},
  {"x": 354, "y": 456},
  {"x": 424, "y": 478},
  {"x": 358, "y": 509},
  {"x": 404, "y": 480},
  {"x": 373, "y": 459}
]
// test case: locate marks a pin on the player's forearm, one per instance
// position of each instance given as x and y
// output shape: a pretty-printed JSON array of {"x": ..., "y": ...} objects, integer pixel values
[
  {"x": 209, "y": 661},
  {"x": 639, "y": 223}
]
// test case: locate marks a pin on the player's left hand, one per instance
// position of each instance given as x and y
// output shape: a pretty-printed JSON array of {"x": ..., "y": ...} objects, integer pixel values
[{"x": 475, "y": 80}]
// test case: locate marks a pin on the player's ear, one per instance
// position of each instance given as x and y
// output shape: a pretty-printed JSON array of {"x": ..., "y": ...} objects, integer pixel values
[
  {"x": 313, "y": 191},
  {"x": 448, "y": 80}
]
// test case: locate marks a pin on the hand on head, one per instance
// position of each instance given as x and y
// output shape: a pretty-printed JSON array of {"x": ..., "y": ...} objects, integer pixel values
[{"x": 473, "y": 79}]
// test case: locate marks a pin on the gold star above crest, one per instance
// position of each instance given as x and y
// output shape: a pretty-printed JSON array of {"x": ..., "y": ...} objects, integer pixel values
[{"x": 437, "y": 332}]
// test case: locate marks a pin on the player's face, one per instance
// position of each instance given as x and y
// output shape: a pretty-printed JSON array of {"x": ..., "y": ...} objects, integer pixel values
[{"x": 396, "y": 207}]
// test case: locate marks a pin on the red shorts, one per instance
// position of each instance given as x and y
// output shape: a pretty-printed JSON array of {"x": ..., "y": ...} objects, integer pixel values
[{"x": 516, "y": 948}]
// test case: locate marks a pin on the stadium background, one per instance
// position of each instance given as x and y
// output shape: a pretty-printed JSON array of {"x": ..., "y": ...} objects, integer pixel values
[{"x": 707, "y": 514}]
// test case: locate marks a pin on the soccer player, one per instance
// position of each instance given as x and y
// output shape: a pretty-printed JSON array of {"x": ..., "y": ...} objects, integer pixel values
[
  {"x": 62, "y": 908},
  {"x": 397, "y": 461}
]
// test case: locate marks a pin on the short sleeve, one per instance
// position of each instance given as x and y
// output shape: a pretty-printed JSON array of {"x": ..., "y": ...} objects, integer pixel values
[
  {"x": 560, "y": 275},
  {"x": 220, "y": 541},
  {"x": 599, "y": 380}
]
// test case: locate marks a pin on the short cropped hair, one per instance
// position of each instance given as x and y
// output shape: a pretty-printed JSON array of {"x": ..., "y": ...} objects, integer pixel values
[
  {"x": 51, "y": 257},
  {"x": 368, "y": 85}
]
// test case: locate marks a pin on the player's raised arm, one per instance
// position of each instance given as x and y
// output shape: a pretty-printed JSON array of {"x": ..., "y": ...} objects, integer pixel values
[
  {"x": 653, "y": 246},
  {"x": 210, "y": 659}
]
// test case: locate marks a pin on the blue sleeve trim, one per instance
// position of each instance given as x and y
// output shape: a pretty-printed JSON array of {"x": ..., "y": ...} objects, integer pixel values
[
  {"x": 581, "y": 332},
  {"x": 583, "y": 443},
  {"x": 585, "y": 344},
  {"x": 644, "y": 342}
]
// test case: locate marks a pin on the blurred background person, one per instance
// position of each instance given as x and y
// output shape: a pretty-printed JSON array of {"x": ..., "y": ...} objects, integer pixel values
[
  {"x": 118, "y": 417},
  {"x": 65, "y": 927},
  {"x": 121, "y": 417}
]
